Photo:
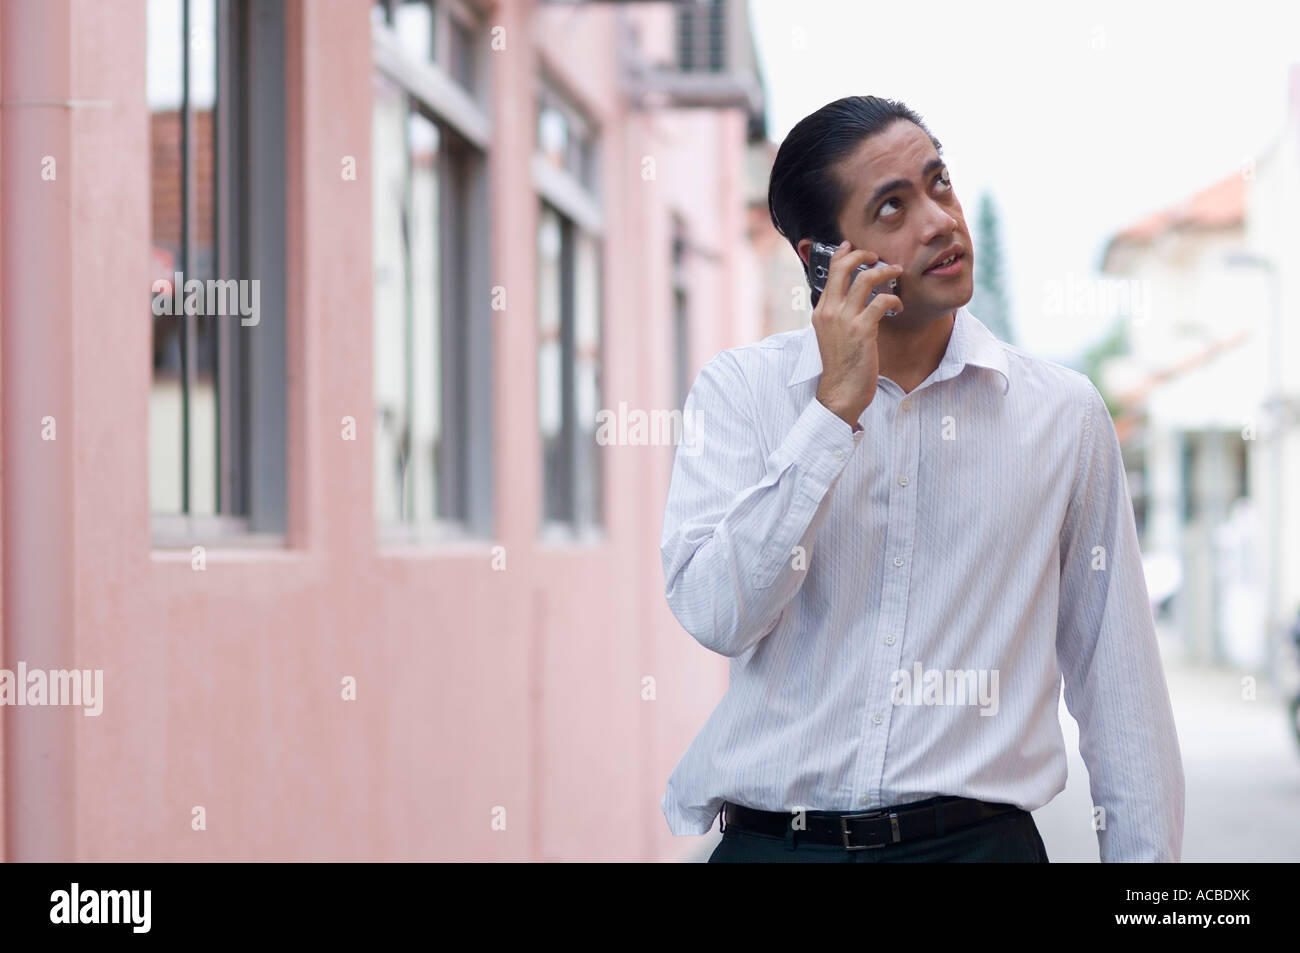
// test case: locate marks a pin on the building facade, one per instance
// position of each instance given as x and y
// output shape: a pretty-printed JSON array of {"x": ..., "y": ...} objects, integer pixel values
[
  {"x": 360, "y": 527},
  {"x": 1209, "y": 399}
]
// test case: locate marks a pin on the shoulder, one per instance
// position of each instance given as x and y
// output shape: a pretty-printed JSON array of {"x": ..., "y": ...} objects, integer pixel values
[
  {"x": 1067, "y": 391},
  {"x": 764, "y": 363},
  {"x": 773, "y": 349},
  {"x": 1074, "y": 402}
]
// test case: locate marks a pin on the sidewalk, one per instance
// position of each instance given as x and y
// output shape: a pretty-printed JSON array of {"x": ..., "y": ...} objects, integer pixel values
[{"x": 1241, "y": 764}]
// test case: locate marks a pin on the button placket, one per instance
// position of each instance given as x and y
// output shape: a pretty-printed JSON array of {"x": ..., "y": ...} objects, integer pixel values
[{"x": 886, "y": 655}]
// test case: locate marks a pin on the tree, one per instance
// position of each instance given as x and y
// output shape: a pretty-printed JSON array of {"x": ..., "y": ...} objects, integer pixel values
[{"x": 989, "y": 301}]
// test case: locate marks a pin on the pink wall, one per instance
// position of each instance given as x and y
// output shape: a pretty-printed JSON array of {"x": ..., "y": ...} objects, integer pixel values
[
  {"x": 476, "y": 688},
  {"x": 3, "y": 759},
  {"x": 42, "y": 291}
]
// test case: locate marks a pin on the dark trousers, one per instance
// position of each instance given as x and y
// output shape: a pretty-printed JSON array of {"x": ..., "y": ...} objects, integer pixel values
[{"x": 1008, "y": 838}]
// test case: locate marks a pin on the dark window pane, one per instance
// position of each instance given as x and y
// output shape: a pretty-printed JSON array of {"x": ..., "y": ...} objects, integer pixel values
[{"x": 463, "y": 53}]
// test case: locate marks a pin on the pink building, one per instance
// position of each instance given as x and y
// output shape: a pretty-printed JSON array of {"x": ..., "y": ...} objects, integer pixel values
[{"x": 333, "y": 540}]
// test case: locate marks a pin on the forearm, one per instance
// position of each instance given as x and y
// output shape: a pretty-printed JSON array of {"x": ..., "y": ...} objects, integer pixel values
[{"x": 729, "y": 579}]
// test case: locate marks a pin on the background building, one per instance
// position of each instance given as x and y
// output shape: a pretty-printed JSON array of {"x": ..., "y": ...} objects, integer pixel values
[
  {"x": 1209, "y": 401},
  {"x": 362, "y": 581}
]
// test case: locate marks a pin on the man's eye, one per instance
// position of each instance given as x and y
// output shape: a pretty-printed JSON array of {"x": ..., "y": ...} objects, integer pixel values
[{"x": 942, "y": 178}]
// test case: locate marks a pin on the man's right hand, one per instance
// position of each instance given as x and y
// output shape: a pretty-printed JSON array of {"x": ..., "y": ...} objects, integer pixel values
[{"x": 846, "y": 332}]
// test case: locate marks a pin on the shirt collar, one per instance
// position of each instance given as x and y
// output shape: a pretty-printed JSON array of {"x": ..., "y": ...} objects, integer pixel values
[{"x": 970, "y": 343}]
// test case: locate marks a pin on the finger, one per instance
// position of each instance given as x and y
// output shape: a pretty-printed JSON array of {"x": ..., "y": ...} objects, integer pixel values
[
  {"x": 828, "y": 303},
  {"x": 877, "y": 277},
  {"x": 843, "y": 264},
  {"x": 875, "y": 311}
]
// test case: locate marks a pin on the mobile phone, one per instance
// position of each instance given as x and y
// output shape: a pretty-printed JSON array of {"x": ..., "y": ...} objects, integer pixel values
[{"x": 819, "y": 269}]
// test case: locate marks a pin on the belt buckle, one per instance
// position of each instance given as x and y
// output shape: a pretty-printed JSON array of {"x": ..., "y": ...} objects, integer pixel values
[{"x": 844, "y": 828}]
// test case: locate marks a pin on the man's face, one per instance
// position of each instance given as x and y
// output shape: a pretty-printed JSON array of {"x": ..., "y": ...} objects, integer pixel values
[{"x": 902, "y": 206}]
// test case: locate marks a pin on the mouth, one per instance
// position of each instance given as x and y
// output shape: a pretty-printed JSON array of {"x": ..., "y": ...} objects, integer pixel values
[{"x": 951, "y": 265}]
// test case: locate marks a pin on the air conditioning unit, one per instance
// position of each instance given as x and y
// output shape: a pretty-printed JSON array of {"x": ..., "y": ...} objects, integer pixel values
[
  {"x": 702, "y": 36},
  {"x": 714, "y": 63}
]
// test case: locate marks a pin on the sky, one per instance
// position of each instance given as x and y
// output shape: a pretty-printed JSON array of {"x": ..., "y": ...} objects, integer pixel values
[{"x": 1077, "y": 120}]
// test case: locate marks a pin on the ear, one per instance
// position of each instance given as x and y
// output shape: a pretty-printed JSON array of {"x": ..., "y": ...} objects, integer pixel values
[{"x": 805, "y": 249}]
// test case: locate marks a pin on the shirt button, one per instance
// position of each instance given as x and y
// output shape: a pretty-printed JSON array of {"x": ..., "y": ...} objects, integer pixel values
[
  {"x": 876, "y": 719},
  {"x": 889, "y": 640},
  {"x": 864, "y": 800},
  {"x": 907, "y": 404},
  {"x": 902, "y": 481},
  {"x": 898, "y": 560},
  {"x": 839, "y": 454}
]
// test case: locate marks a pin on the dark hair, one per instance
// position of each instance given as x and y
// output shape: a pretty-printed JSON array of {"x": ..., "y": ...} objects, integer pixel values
[{"x": 804, "y": 195}]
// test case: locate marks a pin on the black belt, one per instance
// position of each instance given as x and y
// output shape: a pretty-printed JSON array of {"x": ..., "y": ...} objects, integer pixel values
[{"x": 889, "y": 825}]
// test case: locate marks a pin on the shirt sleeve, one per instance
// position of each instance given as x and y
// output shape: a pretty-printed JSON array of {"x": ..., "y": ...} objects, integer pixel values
[
  {"x": 734, "y": 518},
  {"x": 1106, "y": 644}
]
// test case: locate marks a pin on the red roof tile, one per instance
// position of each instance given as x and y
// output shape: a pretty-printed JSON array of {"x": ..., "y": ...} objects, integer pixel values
[{"x": 1221, "y": 205}]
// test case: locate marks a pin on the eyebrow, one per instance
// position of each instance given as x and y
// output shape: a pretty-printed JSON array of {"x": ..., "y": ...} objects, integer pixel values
[{"x": 896, "y": 184}]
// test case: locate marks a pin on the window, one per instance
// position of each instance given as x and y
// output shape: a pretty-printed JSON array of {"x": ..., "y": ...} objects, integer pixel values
[
  {"x": 564, "y": 139},
  {"x": 432, "y": 315},
  {"x": 216, "y": 105},
  {"x": 570, "y": 340},
  {"x": 448, "y": 33}
]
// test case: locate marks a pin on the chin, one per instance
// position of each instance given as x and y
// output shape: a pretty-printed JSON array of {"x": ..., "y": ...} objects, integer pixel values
[{"x": 961, "y": 298}]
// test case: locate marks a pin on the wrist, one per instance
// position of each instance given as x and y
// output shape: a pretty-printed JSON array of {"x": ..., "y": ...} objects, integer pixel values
[{"x": 845, "y": 414}]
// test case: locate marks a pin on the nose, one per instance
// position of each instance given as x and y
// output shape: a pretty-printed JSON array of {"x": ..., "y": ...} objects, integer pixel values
[{"x": 940, "y": 222}]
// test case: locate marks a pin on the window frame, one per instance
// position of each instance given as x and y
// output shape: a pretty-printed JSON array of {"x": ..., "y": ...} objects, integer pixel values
[
  {"x": 447, "y": 14},
  {"x": 580, "y": 209},
  {"x": 250, "y": 230},
  {"x": 464, "y": 124},
  {"x": 681, "y": 295}
]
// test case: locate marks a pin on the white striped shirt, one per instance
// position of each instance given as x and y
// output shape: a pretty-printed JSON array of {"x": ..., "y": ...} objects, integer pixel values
[{"x": 977, "y": 530}]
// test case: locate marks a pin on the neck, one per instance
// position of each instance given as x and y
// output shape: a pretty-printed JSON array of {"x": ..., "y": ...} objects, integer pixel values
[{"x": 909, "y": 354}]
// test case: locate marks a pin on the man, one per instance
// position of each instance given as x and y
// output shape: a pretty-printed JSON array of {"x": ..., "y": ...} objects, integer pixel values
[{"x": 902, "y": 531}]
